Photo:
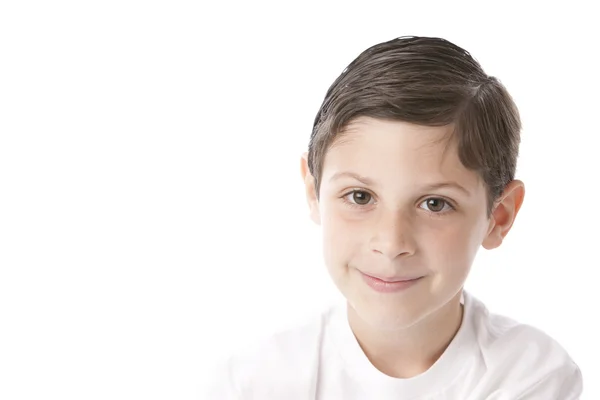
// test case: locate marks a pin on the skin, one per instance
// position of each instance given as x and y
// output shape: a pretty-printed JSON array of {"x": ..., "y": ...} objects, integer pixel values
[{"x": 397, "y": 225}]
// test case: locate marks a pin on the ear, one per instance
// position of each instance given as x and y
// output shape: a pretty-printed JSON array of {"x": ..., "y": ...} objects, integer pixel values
[
  {"x": 311, "y": 193},
  {"x": 504, "y": 213}
]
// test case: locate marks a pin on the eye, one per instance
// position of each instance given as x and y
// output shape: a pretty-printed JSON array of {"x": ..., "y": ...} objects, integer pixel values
[
  {"x": 437, "y": 205},
  {"x": 358, "y": 197}
]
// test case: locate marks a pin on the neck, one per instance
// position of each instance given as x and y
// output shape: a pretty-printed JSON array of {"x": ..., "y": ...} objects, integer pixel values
[{"x": 411, "y": 351}]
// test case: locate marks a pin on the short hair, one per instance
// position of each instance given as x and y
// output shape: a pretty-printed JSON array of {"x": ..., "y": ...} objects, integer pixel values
[{"x": 427, "y": 81}]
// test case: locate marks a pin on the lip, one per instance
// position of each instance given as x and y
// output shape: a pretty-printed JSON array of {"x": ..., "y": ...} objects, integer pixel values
[{"x": 389, "y": 286}]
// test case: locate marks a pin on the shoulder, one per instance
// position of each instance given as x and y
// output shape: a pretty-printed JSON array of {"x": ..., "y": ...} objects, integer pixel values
[
  {"x": 523, "y": 356},
  {"x": 281, "y": 363},
  {"x": 501, "y": 338}
]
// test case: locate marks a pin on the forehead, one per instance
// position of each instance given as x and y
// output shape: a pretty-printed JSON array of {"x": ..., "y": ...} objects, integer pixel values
[{"x": 396, "y": 150}]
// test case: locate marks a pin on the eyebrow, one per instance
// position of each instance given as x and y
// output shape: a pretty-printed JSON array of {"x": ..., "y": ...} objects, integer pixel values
[
  {"x": 442, "y": 185},
  {"x": 370, "y": 182},
  {"x": 362, "y": 179}
]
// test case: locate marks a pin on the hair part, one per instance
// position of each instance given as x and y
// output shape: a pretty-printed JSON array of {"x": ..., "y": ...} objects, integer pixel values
[{"x": 426, "y": 81}]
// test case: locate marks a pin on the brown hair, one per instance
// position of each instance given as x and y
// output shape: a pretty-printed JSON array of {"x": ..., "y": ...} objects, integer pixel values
[{"x": 427, "y": 81}]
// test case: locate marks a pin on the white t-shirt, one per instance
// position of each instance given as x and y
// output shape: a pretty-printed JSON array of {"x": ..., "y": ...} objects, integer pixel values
[{"x": 491, "y": 357}]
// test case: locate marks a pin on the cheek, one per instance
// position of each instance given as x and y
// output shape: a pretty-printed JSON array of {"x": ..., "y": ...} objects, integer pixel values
[
  {"x": 453, "y": 246},
  {"x": 341, "y": 235}
]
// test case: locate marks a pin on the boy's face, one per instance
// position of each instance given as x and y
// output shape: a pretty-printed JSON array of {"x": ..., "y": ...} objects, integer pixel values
[{"x": 395, "y": 205}]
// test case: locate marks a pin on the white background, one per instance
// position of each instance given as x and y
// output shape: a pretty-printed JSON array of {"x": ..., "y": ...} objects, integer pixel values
[{"x": 152, "y": 215}]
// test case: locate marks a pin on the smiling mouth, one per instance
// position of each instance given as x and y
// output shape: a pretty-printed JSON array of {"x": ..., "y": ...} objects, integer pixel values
[{"x": 390, "y": 285}]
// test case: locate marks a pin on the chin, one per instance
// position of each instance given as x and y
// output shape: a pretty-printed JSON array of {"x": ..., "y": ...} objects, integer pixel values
[{"x": 388, "y": 314}]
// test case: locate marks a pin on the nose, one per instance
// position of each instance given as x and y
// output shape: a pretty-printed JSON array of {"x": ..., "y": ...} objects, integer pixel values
[{"x": 393, "y": 235}]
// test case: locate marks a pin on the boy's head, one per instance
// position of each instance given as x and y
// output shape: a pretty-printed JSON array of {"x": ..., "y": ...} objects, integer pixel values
[{"x": 410, "y": 169}]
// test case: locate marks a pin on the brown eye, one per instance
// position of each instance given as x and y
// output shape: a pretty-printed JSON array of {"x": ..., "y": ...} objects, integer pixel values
[
  {"x": 436, "y": 205},
  {"x": 361, "y": 198}
]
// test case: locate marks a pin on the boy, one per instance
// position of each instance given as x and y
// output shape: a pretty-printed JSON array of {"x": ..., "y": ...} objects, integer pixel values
[{"x": 410, "y": 169}]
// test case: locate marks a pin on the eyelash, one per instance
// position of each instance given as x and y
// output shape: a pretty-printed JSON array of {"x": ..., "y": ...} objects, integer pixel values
[{"x": 432, "y": 213}]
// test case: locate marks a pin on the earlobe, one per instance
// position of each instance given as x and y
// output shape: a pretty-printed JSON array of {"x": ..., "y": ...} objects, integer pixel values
[
  {"x": 504, "y": 214},
  {"x": 492, "y": 238},
  {"x": 310, "y": 189}
]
